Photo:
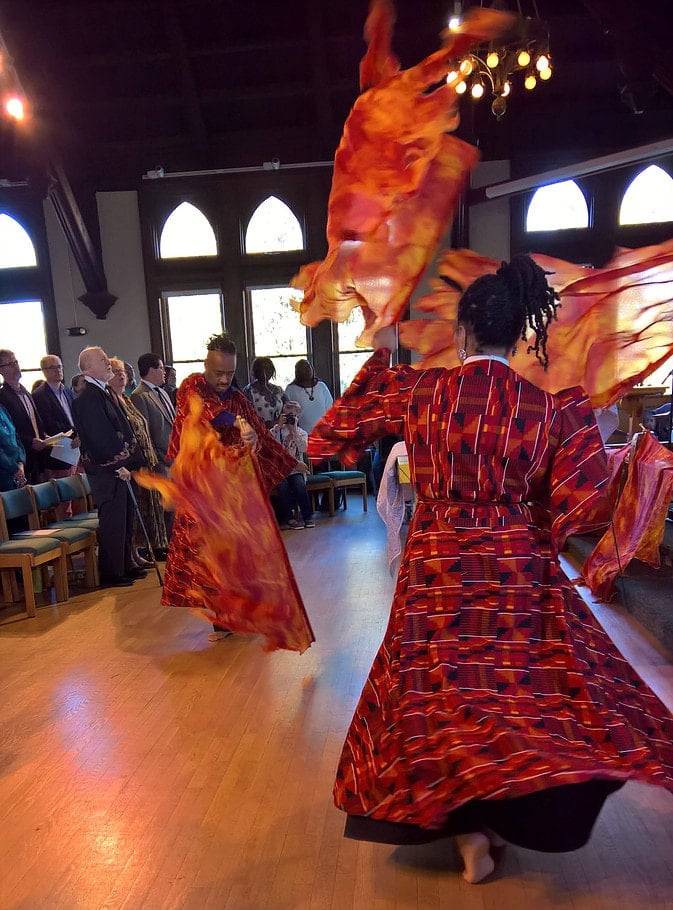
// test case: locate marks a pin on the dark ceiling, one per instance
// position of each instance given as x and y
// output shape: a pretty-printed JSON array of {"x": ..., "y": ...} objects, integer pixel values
[{"x": 119, "y": 87}]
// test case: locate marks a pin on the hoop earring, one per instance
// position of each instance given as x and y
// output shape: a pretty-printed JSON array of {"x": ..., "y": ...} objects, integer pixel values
[
  {"x": 462, "y": 354},
  {"x": 514, "y": 351}
]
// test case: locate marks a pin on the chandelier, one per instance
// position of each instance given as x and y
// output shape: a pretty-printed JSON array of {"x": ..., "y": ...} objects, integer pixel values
[{"x": 523, "y": 50}]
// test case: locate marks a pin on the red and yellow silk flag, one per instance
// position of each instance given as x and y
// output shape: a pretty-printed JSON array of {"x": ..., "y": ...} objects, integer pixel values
[
  {"x": 249, "y": 586},
  {"x": 639, "y": 517},
  {"x": 614, "y": 326},
  {"x": 397, "y": 178}
]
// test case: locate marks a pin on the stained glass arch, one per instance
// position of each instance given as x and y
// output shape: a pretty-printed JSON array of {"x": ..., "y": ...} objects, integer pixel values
[
  {"x": 16, "y": 247},
  {"x": 273, "y": 228},
  {"x": 648, "y": 198},
  {"x": 557, "y": 207},
  {"x": 187, "y": 233}
]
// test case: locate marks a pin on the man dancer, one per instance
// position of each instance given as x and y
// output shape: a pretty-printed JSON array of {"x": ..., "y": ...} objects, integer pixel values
[
  {"x": 235, "y": 419},
  {"x": 109, "y": 454}
]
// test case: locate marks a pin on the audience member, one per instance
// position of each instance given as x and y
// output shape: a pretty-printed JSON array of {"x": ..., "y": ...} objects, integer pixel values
[
  {"x": 267, "y": 398},
  {"x": 149, "y": 501},
  {"x": 53, "y": 401},
  {"x": 12, "y": 462},
  {"x": 291, "y": 492},
  {"x": 157, "y": 408},
  {"x": 12, "y": 454},
  {"x": 312, "y": 394},
  {"x": 20, "y": 406},
  {"x": 171, "y": 383},
  {"x": 77, "y": 383},
  {"x": 109, "y": 453},
  {"x": 132, "y": 382}
]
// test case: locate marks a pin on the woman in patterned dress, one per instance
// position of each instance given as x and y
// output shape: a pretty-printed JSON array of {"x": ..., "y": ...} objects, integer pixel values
[
  {"x": 149, "y": 501},
  {"x": 267, "y": 399},
  {"x": 497, "y": 707}
]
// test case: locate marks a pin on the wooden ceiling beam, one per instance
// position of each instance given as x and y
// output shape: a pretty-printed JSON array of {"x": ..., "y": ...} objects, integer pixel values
[{"x": 190, "y": 95}]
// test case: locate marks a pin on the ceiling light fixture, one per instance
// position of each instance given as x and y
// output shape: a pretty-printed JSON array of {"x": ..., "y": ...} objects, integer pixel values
[{"x": 523, "y": 49}]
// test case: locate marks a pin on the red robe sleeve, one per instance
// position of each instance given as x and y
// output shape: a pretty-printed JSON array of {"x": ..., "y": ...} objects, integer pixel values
[
  {"x": 579, "y": 472},
  {"x": 374, "y": 405},
  {"x": 273, "y": 459}
]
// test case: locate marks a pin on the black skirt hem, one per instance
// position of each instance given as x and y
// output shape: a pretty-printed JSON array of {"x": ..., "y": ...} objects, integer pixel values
[{"x": 555, "y": 820}]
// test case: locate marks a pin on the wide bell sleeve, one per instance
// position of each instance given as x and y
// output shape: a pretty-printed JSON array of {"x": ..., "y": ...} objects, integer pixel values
[
  {"x": 579, "y": 473},
  {"x": 374, "y": 405}
]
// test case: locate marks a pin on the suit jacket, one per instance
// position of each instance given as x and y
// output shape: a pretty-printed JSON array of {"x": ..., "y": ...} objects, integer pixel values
[
  {"x": 158, "y": 417},
  {"x": 107, "y": 440},
  {"x": 54, "y": 418},
  {"x": 24, "y": 430}
]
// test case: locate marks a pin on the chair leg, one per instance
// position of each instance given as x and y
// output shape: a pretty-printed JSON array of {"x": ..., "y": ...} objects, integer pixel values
[
  {"x": 8, "y": 589},
  {"x": 91, "y": 567},
  {"x": 330, "y": 500},
  {"x": 61, "y": 579},
  {"x": 28, "y": 589},
  {"x": 364, "y": 496},
  {"x": 345, "y": 492}
]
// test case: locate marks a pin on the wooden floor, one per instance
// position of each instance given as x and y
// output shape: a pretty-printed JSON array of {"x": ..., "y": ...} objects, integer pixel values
[{"x": 142, "y": 766}]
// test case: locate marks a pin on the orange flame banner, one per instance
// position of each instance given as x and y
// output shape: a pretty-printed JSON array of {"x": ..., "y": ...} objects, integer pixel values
[
  {"x": 397, "y": 178},
  {"x": 242, "y": 576},
  {"x": 614, "y": 328},
  {"x": 639, "y": 517}
]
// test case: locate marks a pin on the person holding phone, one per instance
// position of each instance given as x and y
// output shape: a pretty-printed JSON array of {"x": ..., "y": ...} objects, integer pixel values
[{"x": 291, "y": 493}]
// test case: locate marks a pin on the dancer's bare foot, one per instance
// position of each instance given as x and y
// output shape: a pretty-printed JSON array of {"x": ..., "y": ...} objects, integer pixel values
[
  {"x": 474, "y": 850},
  {"x": 497, "y": 845}
]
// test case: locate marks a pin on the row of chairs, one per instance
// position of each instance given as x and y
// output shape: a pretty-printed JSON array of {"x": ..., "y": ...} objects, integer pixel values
[
  {"x": 48, "y": 543},
  {"x": 331, "y": 481}
]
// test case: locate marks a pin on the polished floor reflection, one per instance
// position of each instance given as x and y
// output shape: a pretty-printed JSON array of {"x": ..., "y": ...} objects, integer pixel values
[{"x": 142, "y": 766}]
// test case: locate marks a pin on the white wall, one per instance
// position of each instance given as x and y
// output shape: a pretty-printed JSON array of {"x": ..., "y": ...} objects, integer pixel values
[
  {"x": 488, "y": 227},
  {"x": 489, "y": 221},
  {"x": 125, "y": 331}
]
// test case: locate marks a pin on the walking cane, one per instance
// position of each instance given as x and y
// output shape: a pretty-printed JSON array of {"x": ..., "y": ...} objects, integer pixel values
[{"x": 142, "y": 525}]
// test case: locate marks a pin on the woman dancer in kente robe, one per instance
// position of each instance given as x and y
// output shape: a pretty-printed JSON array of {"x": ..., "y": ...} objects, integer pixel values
[{"x": 497, "y": 707}]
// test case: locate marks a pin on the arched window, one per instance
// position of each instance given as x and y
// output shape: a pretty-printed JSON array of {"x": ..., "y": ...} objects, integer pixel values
[
  {"x": 557, "y": 207},
  {"x": 277, "y": 330},
  {"x": 16, "y": 247},
  {"x": 187, "y": 232},
  {"x": 648, "y": 198},
  {"x": 273, "y": 228}
]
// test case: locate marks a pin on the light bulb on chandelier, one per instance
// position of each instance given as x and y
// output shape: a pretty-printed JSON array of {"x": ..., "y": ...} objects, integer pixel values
[{"x": 523, "y": 49}]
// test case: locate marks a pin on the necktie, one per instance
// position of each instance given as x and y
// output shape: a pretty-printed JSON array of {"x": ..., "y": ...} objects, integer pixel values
[
  {"x": 65, "y": 404},
  {"x": 30, "y": 410},
  {"x": 166, "y": 402}
]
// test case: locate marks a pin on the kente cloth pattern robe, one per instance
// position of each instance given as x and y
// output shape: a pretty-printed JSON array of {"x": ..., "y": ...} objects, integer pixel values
[
  {"x": 182, "y": 567},
  {"x": 493, "y": 680}
]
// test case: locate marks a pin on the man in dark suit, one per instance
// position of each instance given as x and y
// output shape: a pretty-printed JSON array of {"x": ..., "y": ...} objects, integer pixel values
[
  {"x": 109, "y": 454},
  {"x": 157, "y": 408},
  {"x": 19, "y": 403},
  {"x": 53, "y": 401}
]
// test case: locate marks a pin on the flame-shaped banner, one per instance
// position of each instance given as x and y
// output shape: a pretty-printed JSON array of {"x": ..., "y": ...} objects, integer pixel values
[
  {"x": 240, "y": 576},
  {"x": 614, "y": 327},
  {"x": 397, "y": 178}
]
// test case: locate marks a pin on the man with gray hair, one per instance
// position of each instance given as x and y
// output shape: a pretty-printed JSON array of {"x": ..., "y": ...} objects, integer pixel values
[{"x": 109, "y": 454}]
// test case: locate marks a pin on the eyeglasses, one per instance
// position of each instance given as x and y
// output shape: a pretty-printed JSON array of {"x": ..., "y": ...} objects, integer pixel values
[
  {"x": 10, "y": 363},
  {"x": 56, "y": 366}
]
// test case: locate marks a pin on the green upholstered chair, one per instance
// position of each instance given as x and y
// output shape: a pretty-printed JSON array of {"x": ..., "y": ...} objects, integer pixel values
[
  {"x": 28, "y": 552},
  {"x": 72, "y": 489},
  {"x": 77, "y": 538},
  {"x": 344, "y": 480}
]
